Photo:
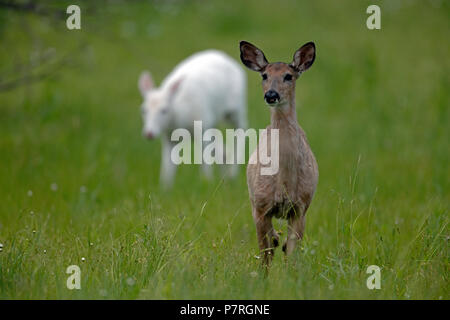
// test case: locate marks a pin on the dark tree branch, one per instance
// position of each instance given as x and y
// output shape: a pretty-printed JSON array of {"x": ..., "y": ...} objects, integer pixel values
[
  {"x": 33, "y": 7},
  {"x": 45, "y": 67},
  {"x": 31, "y": 78}
]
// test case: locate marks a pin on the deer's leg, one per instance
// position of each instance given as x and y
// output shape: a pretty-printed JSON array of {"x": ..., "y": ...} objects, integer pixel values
[
  {"x": 230, "y": 170},
  {"x": 207, "y": 169},
  {"x": 227, "y": 169},
  {"x": 168, "y": 168},
  {"x": 238, "y": 120},
  {"x": 296, "y": 227},
  {"x": 265, "y": 234}
]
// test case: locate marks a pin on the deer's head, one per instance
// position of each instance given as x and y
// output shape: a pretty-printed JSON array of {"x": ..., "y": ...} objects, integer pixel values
[
  {"x": 157, "y": 105},
  {"x": 278, "y": 78}
]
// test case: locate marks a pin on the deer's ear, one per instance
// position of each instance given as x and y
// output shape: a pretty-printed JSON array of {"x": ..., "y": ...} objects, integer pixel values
[
  {"x": 175, "y": 86},
  {"x": 145, "y": 83},
  {"x": 252, "y": 57},
  {"x": 304, "y": 57}
]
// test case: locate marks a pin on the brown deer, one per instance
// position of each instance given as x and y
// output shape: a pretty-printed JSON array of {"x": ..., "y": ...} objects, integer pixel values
[{"x": 288, "y": 193}]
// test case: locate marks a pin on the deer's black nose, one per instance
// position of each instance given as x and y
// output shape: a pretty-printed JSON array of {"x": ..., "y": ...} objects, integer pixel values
[{"x": 271, "y": 97}]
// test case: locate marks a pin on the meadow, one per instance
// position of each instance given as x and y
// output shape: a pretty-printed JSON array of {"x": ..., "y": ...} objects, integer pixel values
[{"x": 79, "y": 183}]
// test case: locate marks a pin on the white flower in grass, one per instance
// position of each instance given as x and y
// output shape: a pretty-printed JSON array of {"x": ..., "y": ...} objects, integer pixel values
[
  {"x": 130, "y": 281},
  {"x": 83, "y": 259},
  {"x": 30, "y": 193},
  {"x": 54, "y": 186}
]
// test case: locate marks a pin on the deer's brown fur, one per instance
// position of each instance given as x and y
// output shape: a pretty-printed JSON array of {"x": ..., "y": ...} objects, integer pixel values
[{"x": 288, "y": 193}]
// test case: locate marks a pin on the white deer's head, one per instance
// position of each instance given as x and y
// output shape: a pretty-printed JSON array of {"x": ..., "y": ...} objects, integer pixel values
[{"x": 157, "y": 105}]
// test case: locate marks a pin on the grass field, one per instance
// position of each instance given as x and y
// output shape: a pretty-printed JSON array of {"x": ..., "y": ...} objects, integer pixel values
[{"x": 79, "y": 182}]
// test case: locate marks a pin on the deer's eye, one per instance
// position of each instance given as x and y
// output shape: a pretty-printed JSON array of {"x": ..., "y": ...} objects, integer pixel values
[
  {"x": 264, "y": 76},
  {"x": 288, "y": 77}
]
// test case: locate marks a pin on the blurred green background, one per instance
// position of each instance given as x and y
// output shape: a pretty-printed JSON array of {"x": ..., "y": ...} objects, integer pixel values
[{"x": 77, "y": 179}]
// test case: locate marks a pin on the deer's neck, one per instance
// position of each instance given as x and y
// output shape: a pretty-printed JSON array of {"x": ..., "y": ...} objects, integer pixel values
[
  {"x": 285, "y": 116},
  {"x": 291, "y": 149}
]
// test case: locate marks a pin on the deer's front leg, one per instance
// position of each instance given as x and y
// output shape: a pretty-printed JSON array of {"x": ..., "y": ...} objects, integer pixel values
[
  {"x": 168, "y": 167},
  {"x": 267, "y": 238}
]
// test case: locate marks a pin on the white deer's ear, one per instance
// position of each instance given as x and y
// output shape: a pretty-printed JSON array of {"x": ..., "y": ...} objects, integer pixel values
[
  {"x": 304, "y": 57},
  {"x": 145, "y": 83},
  {"x": 175, "y": 85},
  {"x": 252, "y": 57}
]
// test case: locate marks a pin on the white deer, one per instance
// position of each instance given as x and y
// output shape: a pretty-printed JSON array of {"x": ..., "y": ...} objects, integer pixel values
[{"x": 209, "y": 86}]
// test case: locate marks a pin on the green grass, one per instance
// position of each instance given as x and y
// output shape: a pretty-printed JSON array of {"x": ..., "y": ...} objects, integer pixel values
[{"x": 375, "y": 107}]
